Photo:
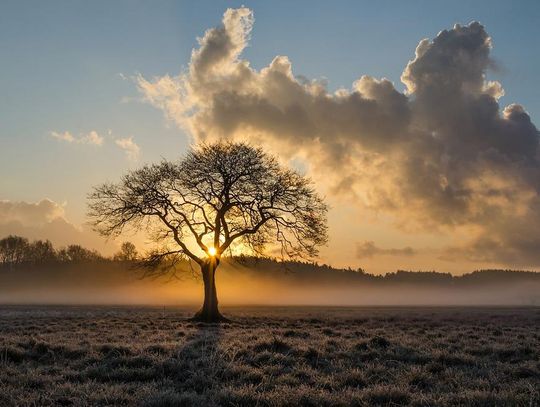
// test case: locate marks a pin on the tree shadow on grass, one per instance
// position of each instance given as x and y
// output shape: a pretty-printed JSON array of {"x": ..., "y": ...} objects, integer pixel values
[{"x": 192, "y": 375}]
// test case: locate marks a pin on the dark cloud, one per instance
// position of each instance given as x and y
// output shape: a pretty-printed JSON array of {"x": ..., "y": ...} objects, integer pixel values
[
  {"x": 444, "y": 154},
  {"x": 368, "y": 249}
]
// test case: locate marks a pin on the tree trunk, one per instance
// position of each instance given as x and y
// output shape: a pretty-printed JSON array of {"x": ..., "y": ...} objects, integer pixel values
[{"x": 209, "y": 311}]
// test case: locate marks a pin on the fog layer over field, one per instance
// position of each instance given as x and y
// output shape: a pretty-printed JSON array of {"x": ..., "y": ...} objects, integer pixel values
[{"x": 263, "y": 282}]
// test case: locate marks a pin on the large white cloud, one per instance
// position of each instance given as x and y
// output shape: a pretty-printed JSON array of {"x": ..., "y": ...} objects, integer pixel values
[{"x": 442, "y": 155}]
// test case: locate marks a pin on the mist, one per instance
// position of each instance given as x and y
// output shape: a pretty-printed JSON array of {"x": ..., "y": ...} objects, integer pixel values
[{"x": 263, "y": 283}]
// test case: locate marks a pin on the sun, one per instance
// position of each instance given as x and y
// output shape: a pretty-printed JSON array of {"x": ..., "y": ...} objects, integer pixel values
[{"x": 212, "y": 251}]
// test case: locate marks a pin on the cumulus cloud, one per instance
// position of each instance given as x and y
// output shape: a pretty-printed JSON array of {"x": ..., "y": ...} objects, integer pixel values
[
  {"x": 127, "y": 144},
  {"x": 30, "y": 214},
  {"x": 368, "y": 249},
  {"x": 442, "y": 155},
  {"x": 131, "y": 149},
  {"x": 92, "y": 138},
  {"x": 65, "y": 136},
  {"x": 46, "y": 220}
]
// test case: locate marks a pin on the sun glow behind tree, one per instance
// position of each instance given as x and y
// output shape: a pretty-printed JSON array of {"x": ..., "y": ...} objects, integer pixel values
[{"x": 217, "y": 197}]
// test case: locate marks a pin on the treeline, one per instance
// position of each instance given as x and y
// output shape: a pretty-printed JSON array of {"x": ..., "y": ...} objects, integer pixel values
[
  {"x": 17, "y": 251},
  {"x": 312, "y": 271}
]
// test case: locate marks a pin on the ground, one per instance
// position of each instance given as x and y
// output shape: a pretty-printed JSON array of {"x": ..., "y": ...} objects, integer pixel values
[{"x": 270, "y": 356}]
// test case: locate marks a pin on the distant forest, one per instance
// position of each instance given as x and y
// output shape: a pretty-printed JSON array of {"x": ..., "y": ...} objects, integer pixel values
[
  {"x": 324, "y": 273},
  {"x": 19, "y": 253}
]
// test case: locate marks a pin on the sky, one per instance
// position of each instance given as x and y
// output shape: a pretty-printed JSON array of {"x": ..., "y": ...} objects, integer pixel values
[{"x": 426, "y": 170}]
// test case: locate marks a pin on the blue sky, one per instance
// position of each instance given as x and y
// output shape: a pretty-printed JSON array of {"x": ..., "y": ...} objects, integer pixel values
[
  {"x": 62, "y": 60},
  {"x": 66, "y": 67}
]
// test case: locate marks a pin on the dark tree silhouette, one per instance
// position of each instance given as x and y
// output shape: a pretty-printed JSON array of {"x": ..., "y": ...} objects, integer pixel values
[
  {"x": 42, "y": 251},
  {"x": 78, "y": 254},
  {"x": 128, "y": 252},
  {"x": 219, "y": 197},
  {"x": 13, "y": 250}
]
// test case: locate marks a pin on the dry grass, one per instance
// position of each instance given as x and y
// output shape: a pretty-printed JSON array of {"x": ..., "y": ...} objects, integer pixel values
[{"x": 270, "y": 356}]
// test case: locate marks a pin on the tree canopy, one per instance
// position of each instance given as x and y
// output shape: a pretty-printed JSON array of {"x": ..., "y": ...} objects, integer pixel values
[{"x": 219, "y": 196}]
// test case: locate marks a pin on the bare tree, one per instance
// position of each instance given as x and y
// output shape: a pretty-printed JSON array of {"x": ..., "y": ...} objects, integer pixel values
[
  {"x": 13, "y": 250},
  {"x": 127, "y": 252},
  {"x": 41, "y": 252},
  {"x": 219, "y": 197},
  {"x": 77, "y": 254}
]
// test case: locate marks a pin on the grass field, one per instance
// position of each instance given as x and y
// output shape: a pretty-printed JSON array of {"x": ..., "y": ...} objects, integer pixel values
[{"x": 270, "y": 356}]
